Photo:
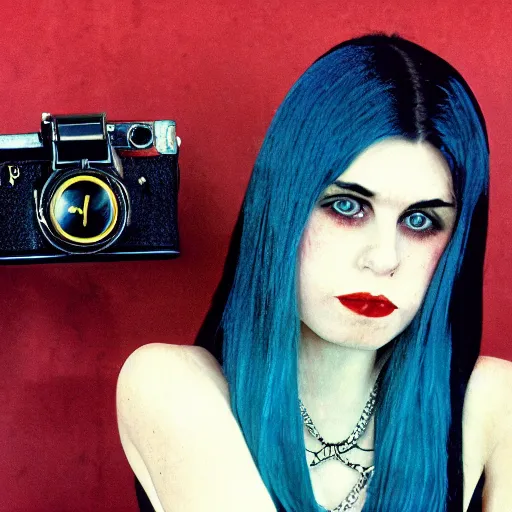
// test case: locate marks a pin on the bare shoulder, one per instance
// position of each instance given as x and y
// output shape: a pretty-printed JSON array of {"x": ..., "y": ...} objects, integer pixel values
[
  {"x": 488, "y": 401},
  {"x": 168, "y": 381},
  {"x": 490, "y": 386},
  {"x": 163, "y": 365},
  {"x": 488, "y": 428},
  {"x": 161, "y": 355},
  {"x": 491, "y": 371},
  {"x": 179, "y": 434}
]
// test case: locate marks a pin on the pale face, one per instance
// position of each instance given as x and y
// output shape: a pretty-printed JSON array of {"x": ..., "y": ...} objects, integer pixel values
[{"x": 373, "y": 242}]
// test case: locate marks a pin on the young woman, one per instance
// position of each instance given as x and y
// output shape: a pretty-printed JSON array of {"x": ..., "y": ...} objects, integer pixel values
[{"x": 346, "y": 329}]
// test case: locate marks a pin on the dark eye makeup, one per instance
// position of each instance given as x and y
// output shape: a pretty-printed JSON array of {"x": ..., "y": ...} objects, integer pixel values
[{"x": 353, "y": 208}]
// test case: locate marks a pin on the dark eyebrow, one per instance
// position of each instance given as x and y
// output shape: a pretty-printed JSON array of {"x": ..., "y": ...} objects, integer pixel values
[
  {"x": 355, "y": 188},
  {"x": 431, "y": 203}
]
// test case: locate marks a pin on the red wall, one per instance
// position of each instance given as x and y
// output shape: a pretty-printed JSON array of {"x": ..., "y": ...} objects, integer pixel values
[{"x": 220, "y": 69}]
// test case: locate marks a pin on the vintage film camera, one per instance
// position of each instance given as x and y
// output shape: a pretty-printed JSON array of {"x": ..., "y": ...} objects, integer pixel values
[{"x": 87, "y": 189}]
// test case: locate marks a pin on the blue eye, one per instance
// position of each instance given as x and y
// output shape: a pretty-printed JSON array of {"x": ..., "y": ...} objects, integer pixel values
[
  {"x": 418, "y": 222},
  {"x": 348, "y": 207}
]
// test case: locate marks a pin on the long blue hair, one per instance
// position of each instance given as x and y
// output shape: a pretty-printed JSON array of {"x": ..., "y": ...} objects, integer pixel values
[{"x": 360, "y": 92}]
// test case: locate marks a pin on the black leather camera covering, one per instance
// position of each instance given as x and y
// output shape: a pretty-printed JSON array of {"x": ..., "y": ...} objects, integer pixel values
[{"x": 152, "y": 229}]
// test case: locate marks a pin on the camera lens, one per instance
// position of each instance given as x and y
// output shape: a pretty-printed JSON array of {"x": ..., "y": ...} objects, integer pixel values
[
  {"x": 84, "y": 210},
  {"x": 140, "y": 136}
]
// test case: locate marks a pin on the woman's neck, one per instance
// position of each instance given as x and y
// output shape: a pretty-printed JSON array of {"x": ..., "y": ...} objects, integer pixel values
[{"x": 334, "y": 383}]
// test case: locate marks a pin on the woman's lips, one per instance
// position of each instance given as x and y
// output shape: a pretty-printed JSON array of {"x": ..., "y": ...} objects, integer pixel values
[{"x": 367, "y": 304}]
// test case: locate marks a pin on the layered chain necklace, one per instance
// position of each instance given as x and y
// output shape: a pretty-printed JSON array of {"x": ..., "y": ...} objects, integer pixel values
[{"x": 338, "y": 450}]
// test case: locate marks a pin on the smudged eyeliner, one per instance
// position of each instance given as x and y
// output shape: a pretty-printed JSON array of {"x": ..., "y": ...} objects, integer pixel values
[{"x": 436, "y": 223}]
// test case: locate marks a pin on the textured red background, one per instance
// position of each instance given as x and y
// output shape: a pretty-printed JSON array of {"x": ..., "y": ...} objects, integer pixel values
[{"x": 220, "y": 69}]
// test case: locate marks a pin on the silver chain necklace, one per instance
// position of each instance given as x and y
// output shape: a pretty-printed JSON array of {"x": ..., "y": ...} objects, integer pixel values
[{"x": 337, "y": 450}]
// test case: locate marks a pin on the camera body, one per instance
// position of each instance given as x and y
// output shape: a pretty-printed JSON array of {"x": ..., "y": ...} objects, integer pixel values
[{"x": 84, "y": 189}]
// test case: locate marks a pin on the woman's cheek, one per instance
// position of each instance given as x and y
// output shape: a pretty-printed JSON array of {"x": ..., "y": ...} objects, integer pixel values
[
  {"x": 320, "y": 259},
  {"x": 315, "y": 239},
  {"x": 429, "y": 252}
]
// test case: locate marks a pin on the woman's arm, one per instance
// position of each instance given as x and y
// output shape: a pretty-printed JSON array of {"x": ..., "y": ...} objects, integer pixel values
[{"x": 180, "y": 436}]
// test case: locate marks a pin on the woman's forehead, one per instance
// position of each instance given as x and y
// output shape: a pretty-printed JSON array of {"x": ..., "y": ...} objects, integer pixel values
[{"x": 401, "y": 169}]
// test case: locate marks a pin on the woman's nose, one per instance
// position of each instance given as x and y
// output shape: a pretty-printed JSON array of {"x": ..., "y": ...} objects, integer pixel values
[{"x": 380, "y": 254}]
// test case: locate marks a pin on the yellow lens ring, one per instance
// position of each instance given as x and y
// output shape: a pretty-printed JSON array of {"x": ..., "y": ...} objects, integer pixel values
[{"x": 58, "y": 194}]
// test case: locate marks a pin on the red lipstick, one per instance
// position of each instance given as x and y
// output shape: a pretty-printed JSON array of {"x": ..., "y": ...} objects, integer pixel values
[{"x": 367, "y": 304}]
